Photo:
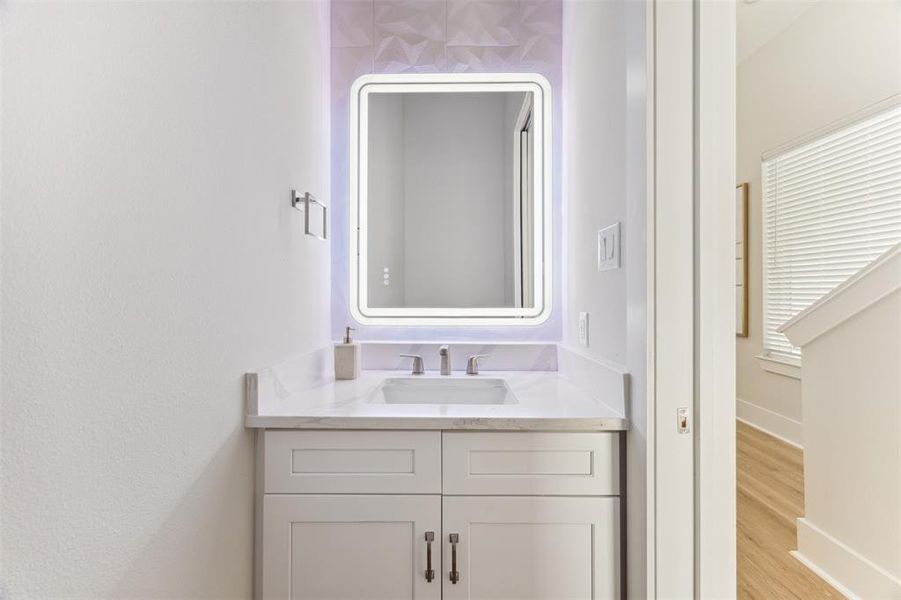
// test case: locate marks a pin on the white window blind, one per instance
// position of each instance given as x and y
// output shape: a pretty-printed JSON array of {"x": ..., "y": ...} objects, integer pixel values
[{"x": 830, "y": 206}]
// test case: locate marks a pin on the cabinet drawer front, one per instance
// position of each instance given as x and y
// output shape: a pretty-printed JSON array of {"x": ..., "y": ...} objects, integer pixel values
[
  {"x": 562, "y": 464},
  {"x": 352, "y": 462}
]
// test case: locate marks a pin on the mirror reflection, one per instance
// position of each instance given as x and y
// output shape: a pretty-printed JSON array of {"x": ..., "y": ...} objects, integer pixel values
[{"x": 450, "y": 206}]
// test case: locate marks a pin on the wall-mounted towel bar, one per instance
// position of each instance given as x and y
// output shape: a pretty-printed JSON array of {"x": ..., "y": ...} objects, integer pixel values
[{"x": 303, "y": 204}]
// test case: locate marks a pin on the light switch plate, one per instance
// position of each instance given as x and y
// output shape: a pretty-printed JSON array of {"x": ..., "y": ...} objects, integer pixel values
[
  {"x": 609, "y": 248},
  {"x": 583, "y": 328}
]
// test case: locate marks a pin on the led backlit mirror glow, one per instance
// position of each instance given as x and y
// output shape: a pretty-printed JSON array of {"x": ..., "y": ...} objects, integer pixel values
[{"x": 450, "y": 199}]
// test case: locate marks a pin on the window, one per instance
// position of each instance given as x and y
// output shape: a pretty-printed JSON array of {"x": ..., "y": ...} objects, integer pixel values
[{"x": 831, "y": 205}]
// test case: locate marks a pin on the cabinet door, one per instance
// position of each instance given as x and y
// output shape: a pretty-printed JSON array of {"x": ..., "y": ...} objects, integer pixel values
[
  {"x": 531, "y": 548},
  {"x": 350, "y": 547}
]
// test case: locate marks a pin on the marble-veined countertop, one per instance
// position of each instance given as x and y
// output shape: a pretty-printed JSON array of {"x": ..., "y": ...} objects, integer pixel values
[{"x": 546, "y": 401}]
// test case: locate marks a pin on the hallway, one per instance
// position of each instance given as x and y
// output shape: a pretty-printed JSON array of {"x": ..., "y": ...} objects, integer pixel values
[{"x": 770, "y": 476}]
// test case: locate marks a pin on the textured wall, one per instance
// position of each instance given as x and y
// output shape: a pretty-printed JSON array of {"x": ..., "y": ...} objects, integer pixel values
[
  {"x": 434, "y": 36},
  {"x": 150, "y": 257}
]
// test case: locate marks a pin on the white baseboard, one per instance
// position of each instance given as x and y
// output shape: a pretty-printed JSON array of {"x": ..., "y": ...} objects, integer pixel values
[
  {"x": 769, "y": 422},
  {"x": 848, "y": 571},
  {"x": 824, "y": 576}
]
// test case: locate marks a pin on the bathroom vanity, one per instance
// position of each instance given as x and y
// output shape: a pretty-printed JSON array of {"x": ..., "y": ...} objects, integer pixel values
[
  {"x": 432, "y": 483},
  {"x": 511, "y": 493}
]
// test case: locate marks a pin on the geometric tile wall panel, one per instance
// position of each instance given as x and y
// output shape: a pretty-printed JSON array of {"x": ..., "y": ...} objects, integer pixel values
[
  {"x": 399, "y": 55},
  {"x": 348, "y": 63},
  {"x": 541, "y": 18},
  {"x": 428, "y": 36},
  {"x": 540, "y": 55},
  {"x": 434, "y": 36},
  {"x": 409, "y": 36},
  {"x": 541, "y": 34},
  {"x": 483, "y": 22},
  {"x": 483, "y": 59},
  {"x": 351, "y": 23}
]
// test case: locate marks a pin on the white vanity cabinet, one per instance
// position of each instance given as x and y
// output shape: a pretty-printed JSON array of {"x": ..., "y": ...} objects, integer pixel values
[{"x": 366, "y": 515}]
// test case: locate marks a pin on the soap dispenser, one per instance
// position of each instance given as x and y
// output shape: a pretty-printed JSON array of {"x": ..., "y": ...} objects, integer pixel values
[{"x": 347, "y": 357}]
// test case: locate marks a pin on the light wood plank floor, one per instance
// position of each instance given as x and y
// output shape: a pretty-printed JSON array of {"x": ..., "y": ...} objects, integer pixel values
[{"x": 770, "y": 477}]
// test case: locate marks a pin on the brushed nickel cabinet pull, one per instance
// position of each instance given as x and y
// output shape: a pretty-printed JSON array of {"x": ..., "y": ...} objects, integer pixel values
[
  {"x": 454, "y": 574},
  {"x": 429, "y": 571}
]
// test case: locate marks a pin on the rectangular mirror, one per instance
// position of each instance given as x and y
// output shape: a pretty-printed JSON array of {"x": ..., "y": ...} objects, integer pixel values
[{"x": 450, "y": 199}]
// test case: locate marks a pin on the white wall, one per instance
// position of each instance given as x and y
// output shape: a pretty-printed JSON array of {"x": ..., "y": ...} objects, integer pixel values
[
  {"x": 635, "y": 247},
  {"x": 851, "y": 528},
  {"x": 852, "y": 471},
  {"x": 837, "y": 58},
  {"x": 605, "y": 181},
  {"x": 594, "y": 182},
  {"x": 454, "y": 190},
  {"x": 150, "y": 256}
]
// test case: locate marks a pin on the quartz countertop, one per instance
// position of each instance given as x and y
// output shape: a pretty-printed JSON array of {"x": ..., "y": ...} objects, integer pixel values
[{"x": 546, "y": 401}]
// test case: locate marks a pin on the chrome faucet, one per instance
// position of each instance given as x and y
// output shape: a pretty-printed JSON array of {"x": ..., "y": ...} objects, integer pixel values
[
  {"x": 472, "y": 365},
  {"x": 418, "y": 368},
  {"x": 445, "y": 360}
]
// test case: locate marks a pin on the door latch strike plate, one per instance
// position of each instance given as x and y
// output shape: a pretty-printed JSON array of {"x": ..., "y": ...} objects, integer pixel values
[{"x": 682, "y": 420}]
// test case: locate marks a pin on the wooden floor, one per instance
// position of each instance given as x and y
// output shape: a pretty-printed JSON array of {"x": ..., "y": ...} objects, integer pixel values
[{"x": 770, "y": 477}]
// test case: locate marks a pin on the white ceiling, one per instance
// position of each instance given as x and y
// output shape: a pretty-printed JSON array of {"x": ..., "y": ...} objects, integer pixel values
[{"x": 761, "y": 20}]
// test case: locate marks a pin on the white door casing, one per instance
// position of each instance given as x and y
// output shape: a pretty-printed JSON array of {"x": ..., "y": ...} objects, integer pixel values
[
  {"x": 670, "y": 461},
  {"x": 691, "y": 476},
  {"x": 715, "y": 551}
]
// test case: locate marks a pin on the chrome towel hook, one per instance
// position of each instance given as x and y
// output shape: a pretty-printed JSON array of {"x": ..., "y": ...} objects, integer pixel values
[{"x": 303, "y": 203}]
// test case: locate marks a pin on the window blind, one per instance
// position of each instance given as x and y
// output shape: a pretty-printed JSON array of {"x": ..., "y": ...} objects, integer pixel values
[{"x": 830, "y": 206}]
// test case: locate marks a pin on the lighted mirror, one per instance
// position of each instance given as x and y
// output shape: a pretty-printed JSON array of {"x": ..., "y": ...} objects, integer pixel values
[{"x": 450, "y": 199}]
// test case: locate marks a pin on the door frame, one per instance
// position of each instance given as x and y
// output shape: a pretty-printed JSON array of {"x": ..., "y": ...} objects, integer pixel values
[
  {"x": 522, "y": 186},
  {"x": 691, "y": 172}
]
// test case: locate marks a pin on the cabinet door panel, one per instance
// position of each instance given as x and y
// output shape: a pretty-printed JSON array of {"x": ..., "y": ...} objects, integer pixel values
[
  {"x": 519, "y": 548},
  {"x": 349, "y": 547}
]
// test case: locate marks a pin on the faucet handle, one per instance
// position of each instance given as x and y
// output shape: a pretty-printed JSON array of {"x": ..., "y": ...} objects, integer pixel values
[
  {"x": 418, "y": 368},
  {"x": 472, "y": 365}
]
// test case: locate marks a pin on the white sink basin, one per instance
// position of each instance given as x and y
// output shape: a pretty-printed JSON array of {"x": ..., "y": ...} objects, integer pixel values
[{"x": 415, "y": 390}]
